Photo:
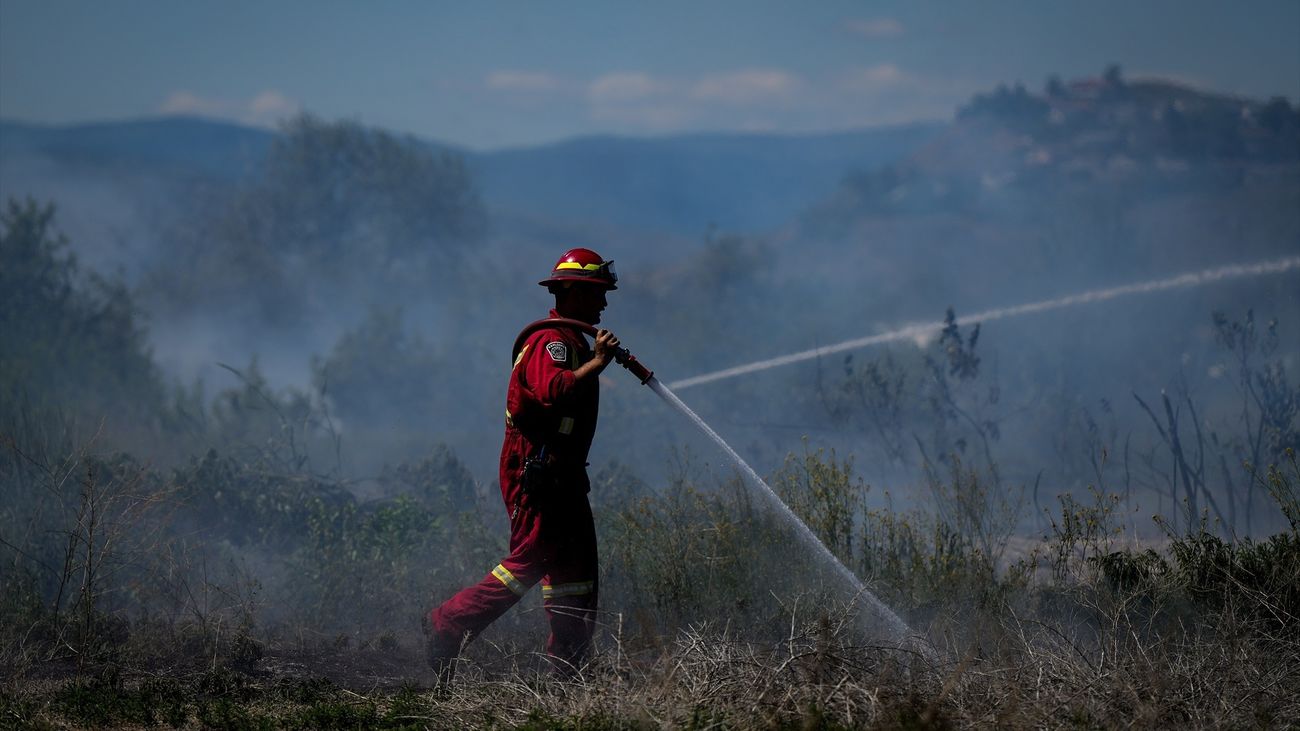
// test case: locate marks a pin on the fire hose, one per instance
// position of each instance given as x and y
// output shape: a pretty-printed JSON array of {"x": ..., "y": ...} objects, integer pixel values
[
  {"x": 621, "y": 356},
  {"x": 895, "y": 628}
]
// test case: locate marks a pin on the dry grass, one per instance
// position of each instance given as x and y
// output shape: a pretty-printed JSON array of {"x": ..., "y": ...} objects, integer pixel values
[
  {"x": 1077, "y": 631},
  {"x": 1025, "y": 672}
]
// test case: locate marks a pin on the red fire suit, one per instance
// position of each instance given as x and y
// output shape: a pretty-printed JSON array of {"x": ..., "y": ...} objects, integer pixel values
[{"x": 552, "y": 536}]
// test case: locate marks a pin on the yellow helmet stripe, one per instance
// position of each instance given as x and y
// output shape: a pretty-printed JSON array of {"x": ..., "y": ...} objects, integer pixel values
[{"x": 576, "y": 265}]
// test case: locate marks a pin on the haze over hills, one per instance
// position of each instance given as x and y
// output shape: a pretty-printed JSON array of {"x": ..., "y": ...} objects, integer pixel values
[
  {"x": 178, "y": 145},
  {"x": 1093, "y": 178},
  {"x": 926, "y": 366},
  {"x": 678, "y": 185},
  {"x": 320, "y": 262},
  {"x": 684, "y": 184}
]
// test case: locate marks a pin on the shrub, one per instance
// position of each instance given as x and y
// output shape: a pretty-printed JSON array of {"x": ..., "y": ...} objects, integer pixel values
[{"x": 71, "y": 343}]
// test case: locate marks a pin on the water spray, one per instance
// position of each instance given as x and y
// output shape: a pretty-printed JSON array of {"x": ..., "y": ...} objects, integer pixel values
[
  {"x": 883, "y": 621},
  {"x": 881, "y": 617},
  {"x": 921, "y": 331}
]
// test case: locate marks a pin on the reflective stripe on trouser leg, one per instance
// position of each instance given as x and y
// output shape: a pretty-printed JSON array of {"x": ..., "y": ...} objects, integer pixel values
[
  {"x": 577, "y": 588},
  {"x": 473, "y": 608},
  {"x": 572, "y": 616},
  {"x": 505, "y": 577}
]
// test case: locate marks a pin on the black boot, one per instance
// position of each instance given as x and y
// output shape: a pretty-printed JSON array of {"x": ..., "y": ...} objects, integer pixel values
[{"x": 441, "y": 653}]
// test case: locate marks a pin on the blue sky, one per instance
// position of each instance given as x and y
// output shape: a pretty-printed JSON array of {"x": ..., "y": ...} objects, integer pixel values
[{"x": 494, "y": 74}]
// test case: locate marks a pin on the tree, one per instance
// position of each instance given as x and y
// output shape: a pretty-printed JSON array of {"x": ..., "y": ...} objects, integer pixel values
[
  {"x": 959, "y": 413},
  {"x": 1270, "y": 406},
  {"x": 1277, "y": 116},
  {"x": 725, "y": 282},
  {"x": 346, "y": 195},
  {"x": 1014, "y": 107},
  {"x": 69, "y": 342},
  {"x": 340, "y": 212},
  {"x": 378, "y": 372},
  {"x": 1054, "y": 89},
  {"x": 937, "y": 403}
]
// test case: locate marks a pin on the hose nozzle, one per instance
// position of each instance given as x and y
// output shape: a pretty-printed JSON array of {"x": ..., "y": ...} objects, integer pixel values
[{"x": 634, "y": 366}]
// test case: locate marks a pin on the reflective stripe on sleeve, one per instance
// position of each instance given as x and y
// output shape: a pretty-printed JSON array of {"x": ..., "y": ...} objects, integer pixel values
[
  {"x": 577, "y": 588},
  {"x": 505, "y": 577},
  {"x": 566, "y": 425}
]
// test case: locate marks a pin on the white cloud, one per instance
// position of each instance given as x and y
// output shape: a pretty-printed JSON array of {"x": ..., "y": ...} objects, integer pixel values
[
  {"x": 625, "y": 86},
  {"x": 262, "y": 110},
  {"x": 770, "y": 99},
  {"x": 745, "y": 86},
  {"x": 637, "y": 100},
  {"x": 874, "y": 27},
  {"x": 184, "y": 102},
  {"x": 273, "y": 104},
  {"x": 874, "y": 78},
  {"x": 889, "y": 94},
  {"x": 525, "y": 81}
]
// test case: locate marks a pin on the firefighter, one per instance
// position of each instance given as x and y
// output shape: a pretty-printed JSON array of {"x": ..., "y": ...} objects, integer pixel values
[{"x": 551, "y": 406}]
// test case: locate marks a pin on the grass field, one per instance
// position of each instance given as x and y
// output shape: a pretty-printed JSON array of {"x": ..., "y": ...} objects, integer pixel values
[{"x": 709, "y": 619}]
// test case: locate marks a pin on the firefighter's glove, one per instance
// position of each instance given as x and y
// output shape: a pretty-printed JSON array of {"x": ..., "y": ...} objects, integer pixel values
[{"x": 606, "y": 346}]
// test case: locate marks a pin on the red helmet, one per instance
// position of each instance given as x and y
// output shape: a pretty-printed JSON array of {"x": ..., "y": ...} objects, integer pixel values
[{"x": 582, "y": 265}]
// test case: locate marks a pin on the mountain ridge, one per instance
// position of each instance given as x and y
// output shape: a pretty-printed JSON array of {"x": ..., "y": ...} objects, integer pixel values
[{"x": 682, "y": 184}]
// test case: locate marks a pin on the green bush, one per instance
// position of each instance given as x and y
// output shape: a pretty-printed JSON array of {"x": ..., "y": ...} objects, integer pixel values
[
  {"x": 105, "y": 700},
  {"x": 693, "y": 552},
  {"x": 686, "y": 554},
  {"x": 244, "y": 504},
  {"x": 367, "y": 566},
  {"x": 358, "y": 565},
  {"x": 439, "y": 481},
  {"x": 826, "y": 498},
  {"x": 379, "y": 372},
  {"x": 71, "y": 343}
]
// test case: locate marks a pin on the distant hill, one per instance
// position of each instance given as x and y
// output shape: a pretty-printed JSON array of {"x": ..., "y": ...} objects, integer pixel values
[
  {"x": 1089, "y": 171},
  {"x": 176, "y": 145},
  {"x": 1092, "y": 181},
  {"x": 1010, "y": 147},
  {"x": 684, "y": 184},
  {"x": 1025, "y": 196},
  {"x": 677, "y": 185}
]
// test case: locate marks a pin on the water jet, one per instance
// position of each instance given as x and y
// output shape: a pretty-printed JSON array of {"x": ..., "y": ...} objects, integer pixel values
[{"x": 882, "y": 621}]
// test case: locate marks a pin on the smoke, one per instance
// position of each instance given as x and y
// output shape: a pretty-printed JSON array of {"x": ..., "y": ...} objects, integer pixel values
[
  {"x": 279, "y": 271},
  {"x": 925, "y": 331}
]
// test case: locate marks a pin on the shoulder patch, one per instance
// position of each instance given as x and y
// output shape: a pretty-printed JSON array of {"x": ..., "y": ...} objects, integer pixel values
[{"x": 559, "y": 351}]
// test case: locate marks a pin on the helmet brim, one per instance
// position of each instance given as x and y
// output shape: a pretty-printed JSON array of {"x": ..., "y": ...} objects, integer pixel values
[{"x": 560, "y": 279}]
